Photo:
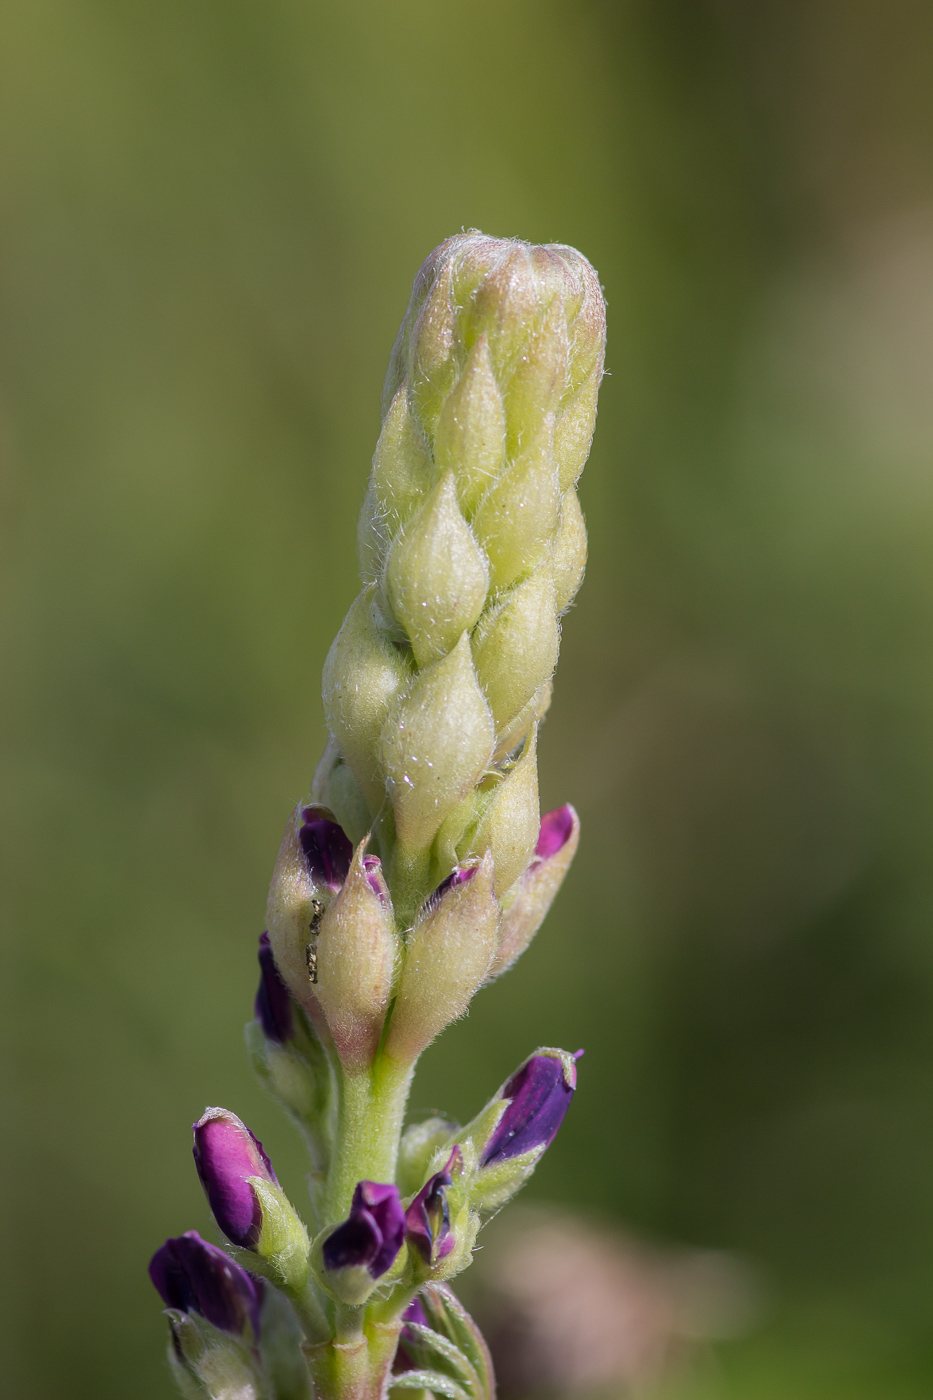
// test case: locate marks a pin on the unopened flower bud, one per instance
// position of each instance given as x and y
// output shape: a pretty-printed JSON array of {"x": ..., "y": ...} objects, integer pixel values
[
  {"x": 357, "y": 1253},
  {"x": 248, "y": 1204},
  {"x": 567, "y": 559},
  {"x": 194, "y": 1276},
  {"x": 517, "y": 518},
  {"x": 446, "y": 959},
  {"x": 436, "y": 741},
  {"x": 556, "y": 846},
  {"x": 354, "y": 955},
  {"x": 312, "y": 864},
  {"x": 539, "y": 1094},
  {"x": 402, "y": 474},
  {"x": 436, "y": 575},
  {"x": 363, "y": 673},
  {"x": 505, "y": 1142},
  {"x": 417, "y": 1147},
  {"x": 427, "y": 1219},
  {"x": 470, "y": 435},
  {"x": 515, "y": 646},
  {"x": 508, "y": 827},
  {"x": 273, "y": 1006}
]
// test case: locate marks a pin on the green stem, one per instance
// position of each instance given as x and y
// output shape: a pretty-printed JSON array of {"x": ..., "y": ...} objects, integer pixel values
[{"x": 369, "y": 1125}]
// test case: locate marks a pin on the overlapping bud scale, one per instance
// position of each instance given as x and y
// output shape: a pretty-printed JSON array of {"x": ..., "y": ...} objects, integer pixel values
[{"x": 472, "y": 544}]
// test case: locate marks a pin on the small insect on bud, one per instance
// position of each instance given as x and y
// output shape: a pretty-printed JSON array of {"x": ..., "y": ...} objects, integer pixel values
[
  {"x": 248, "y": 1204},
  {"x": 193, "y": 1276},
  {"x": 447, "y": 958},
  {"x": 427, "y": 1219},
  {"x": 357, "y": 1253},
  {"x": 312, "y": 865},
  {"x": 534, "y": 894},
  {"x": 355, "y": 954}
]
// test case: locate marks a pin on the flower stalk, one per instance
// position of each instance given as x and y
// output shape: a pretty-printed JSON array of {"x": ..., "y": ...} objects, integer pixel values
[{"x": 418, "y": 869}]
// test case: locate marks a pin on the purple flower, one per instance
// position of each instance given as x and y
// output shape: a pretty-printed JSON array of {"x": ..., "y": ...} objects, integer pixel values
[
  {"x": 372, "y": 1235},
  {"x": 539, "y": 1093},
  {"x": 460, "y": 875},
  {"x": 375, "y": 878},
  {"x": 273, "y": 1006},
  {"x": 226, "y": 1154},
  {"x": 194, "y": 1276},
  {"x": 555, "y": 831},
  {"x": 427, "y": 1219},
  {"x": 325, "y": 846},
  {"x": 404, "y": 1361}
]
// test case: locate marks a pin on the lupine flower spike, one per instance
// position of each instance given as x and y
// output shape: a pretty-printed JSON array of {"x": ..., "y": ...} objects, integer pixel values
[{"x": 417, "y": 869}]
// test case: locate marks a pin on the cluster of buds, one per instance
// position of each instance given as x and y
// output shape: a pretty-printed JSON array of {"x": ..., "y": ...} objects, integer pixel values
[{"x": 418, "y": 869}]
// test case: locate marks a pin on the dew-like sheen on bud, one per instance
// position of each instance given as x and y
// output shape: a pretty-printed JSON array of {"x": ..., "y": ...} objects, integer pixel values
[{"x": 436, "y": 742}]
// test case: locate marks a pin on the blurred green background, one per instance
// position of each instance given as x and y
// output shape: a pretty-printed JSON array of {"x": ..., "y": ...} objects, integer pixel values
[{"x": 211, "y": 215}]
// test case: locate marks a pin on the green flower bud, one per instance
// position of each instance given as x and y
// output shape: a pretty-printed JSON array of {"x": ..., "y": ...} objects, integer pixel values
[
  {"x": 335, "y": 787},
  {"x": 362, "y": 674},
  {"x": 517, "y": 518},
  {"x": 355, "y": 961},
  {"x": 208, "y": 1364},
  {"x": 532, "y": 897},
  {"x": 567, "y": 559},
  {"x": 515, "y": 646},
  {"x": 448, "y": 955},
  {"x": 436, "y": 742},
  {"x": 508, "y": 827},
  {"x": 470, "y": 436},
  {"x": 403, "y": 472},
  {"x": 436, "y": 576}
]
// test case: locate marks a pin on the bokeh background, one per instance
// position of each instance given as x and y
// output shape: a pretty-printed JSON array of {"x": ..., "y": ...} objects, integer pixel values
[{"x": 211, "y": 216}]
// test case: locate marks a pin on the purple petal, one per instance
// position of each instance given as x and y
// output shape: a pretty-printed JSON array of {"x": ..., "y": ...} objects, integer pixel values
[
  {"x": 540, "y": 1095},
  {"x": 354, "y": 1244},
  {"x": 273, "y": 1005},
  {"x": 226, "y": 1153},
  {"x": 385, "y": 1205},
  {"x": 372, "y": 1235},
  {"x": 458, "y": 876},
  {"x": 194, "y": 1276},
  {"x": 556, "y": 830},
  {"x": 415, "y": 1312},
  {"x": 374, "y": 877},
  {"x": 326, "y": 847}
]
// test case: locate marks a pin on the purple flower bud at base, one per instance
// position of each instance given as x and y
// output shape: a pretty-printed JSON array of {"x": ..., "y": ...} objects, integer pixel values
[
  {"x": 226, "y": 1154},
  {"x": 372, "y": 1235},
  {"x": 273, "y": 1007},
  {"x": 194, "y": 1276},
  {"x": 427, "y": 1219},
  {"x": 325, "y": 846},
  {"x": 539, "y": 1093}
]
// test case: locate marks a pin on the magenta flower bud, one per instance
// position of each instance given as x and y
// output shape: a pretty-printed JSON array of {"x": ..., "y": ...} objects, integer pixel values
[
  {"x": 194, "y": 1276},
  {"x": 326, "y": 848},
  {"x": 460, "y": 875},
  {"x": 427, "y": 1219},
  {"x": 557, "y": 828},
  {"x": 539, "y": 1093},
  {"x": 226, "y": 1155},
  {"x": 273, "y": 1007},
  {"x": 372, "y": 1235}
]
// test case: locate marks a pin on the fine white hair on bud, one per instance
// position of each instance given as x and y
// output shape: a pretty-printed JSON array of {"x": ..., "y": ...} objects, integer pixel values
[
  {"x": 355, "y": 961},
  {"x": 517, "y": 518},
  {"x": 508, "y": 826},
  {"x": 470, "y": 434},
  {"x": 567, "y": 559},
  {"x": 437, "y": 741},
  {"x": 436, "y": 575},
  {"x": 448, "y": 956},
  {"x": 362, "y": 674},
  {"x": 515, "y": 646}
]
